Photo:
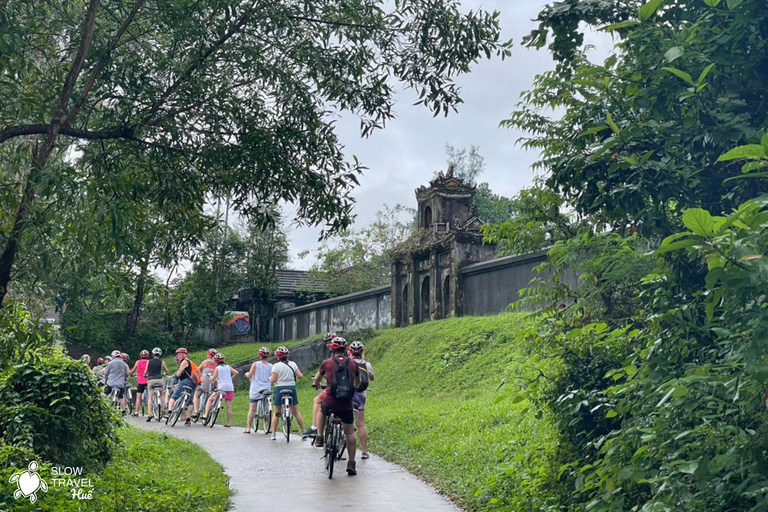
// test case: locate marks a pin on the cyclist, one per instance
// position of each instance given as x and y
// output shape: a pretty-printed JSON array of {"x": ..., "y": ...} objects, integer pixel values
[
  {"x": 116, "y": 376},
  {"x": 86, "y": 359},
  {"x": 99, "y": 366},
  {"x": 207, "y": 368},
  {"x": 141, "y": 386},
  {"x": 312, "y": 432},
  {"x": 356, "y": 349},
  {"x": 222, "y": 376},
  {"x": 184, "y": 374},
  {"x": 259, "y": 375},
  {"x": 153, "y": 374},
  {"x": 100, "y": 373},
  {"x": 340, "y": 407},
  {"x": 284, "y": 375}
]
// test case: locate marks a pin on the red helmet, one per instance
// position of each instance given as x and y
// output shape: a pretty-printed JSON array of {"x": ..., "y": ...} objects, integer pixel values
[
  {"x": 328, "y": 337},
  {"x": 264, "y": 352},
  {"x": 211, "y": 352},
  {"x": 100, "y": 360},
  {"x": 144, "y": 354},
  {"x": 282, "y": 353},
  {"x": 356, "y": 348},
  {"x": 124, "y": 357},
  {"x": 218, "y": 357},
  {"x": 338, "y": 343},
  {"x": 181, "y": 351}
]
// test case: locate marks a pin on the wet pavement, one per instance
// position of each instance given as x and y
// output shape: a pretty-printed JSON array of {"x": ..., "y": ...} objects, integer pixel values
[{"x": 275, "y": 476}]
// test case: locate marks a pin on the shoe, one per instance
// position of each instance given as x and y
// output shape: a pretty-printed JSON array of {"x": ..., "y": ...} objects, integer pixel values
[
  {"x": 310, "y": 432},
  {"x": 227, "y": 426},
  {"x": 125, "y": 414},
  {"x": 149, "y": 418},
  {"x": 273, "y": 437},
  {"x": 246, "y": 431},
  {"x": 188, "y": 423},
  {"x": 195, "y": 415},
  {"x": 135, "y": 414},
  {"x": 318, "y": 442},
  {"x": 351, "y": 471},
  {"x": 364, "y": 455}
]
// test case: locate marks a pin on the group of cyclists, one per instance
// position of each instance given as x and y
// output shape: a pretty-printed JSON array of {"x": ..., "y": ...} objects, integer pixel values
[{"x": 213, "y": 376}]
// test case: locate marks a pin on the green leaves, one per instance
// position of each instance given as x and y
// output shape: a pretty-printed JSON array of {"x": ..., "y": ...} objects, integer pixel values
[
  {"x": 749, "y": 151},
  {"x": 699, "y": 221},
  {"x": 682, "y": 75},
  {"x": 647, "y": 10},
  {"x": 674, "y": 53}
]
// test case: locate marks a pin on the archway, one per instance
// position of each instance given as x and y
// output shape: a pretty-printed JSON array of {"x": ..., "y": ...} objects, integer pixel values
[
  {"x": 447, "y": 297},
  {"x": 427, "y": 218},
  {"x": 424, "y": 302},
  {"x": 404, "y": 307}
]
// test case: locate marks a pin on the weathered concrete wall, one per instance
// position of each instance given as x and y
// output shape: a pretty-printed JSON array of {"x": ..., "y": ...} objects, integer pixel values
[
  {"x": 371, "y": 308},
  {"x": 221, "y": 335},
  {"x": 490, "y": 287}
]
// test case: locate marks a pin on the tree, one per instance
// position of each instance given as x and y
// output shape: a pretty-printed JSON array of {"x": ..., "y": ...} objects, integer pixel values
[
  {"x": 360, "y": 260},
  {"x": 215, "y": 97},
  {"x": 467, "y": 166}
]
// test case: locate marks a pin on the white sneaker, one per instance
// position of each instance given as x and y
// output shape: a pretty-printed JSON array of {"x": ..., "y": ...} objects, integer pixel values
[
  {"x": 273, "y": 437},
  {"x": 364, "y": 455}
]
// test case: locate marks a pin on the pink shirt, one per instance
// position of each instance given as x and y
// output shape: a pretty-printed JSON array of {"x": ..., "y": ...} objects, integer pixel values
[{"x": 141, "y": 365}]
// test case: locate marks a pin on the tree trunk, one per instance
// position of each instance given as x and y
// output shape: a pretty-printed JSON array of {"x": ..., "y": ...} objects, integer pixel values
[{"x": 133, "y": 318}]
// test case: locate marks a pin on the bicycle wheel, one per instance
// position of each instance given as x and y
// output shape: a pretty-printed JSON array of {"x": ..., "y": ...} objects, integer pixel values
[
  {"x": 257, "y": 418},
  {"x": 201, "y": 405},
  {"x": 342, "y": 443},
  {"x": 173, "y": 417},
  {"x": 214, "y": 412}
]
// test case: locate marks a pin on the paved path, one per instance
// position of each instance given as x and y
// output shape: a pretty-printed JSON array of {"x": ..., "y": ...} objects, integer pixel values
[{"x": 279, "y": 476}]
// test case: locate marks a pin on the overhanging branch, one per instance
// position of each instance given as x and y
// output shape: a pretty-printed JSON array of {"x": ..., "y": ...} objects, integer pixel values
[{"x": 124, "y": 132}]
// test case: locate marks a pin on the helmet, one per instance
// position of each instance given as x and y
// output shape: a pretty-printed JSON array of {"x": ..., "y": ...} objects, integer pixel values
[
  {"x": 115, "y": 353},
  {"x": 264, "y": 352},
  {"x": 328, "y": 337},
  {"x": 211, "y": 352},
  {"x": 107, "y": 359},
  {"x": 124, "y": 357},
  {"x": 282, "y": 353},
  {"x": 144, "y": 354},
  {"x": 157, "y": 351},
  {"x": 100, "y": 361},
  {"x": 356, "y": 347},
  {"x": 338, "y": 343},
  {"x": 85, "y": 358},
  {"x": 218, "y": 357},
  {"x": 181, "y": 353}
]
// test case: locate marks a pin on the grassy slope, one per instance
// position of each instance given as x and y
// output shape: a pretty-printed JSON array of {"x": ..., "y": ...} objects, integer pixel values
[{"x": 434, "y": 409}]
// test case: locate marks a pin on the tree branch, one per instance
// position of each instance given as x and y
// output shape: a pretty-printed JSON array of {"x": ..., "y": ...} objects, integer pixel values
[
  {"x": 124, "y": 132},
  {"x": 103, "y": 60}
]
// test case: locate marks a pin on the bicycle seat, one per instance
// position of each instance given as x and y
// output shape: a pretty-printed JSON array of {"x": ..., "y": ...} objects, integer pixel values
[
  {"x": 286, "y": 392},
  {"x": 265, "y": 392},
  {"x": 157, "y": 386},
  {"x": 187, "y": 389}
]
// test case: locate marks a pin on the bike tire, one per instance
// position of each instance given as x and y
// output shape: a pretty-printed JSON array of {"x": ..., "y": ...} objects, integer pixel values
[
  {"x": 331, "y": 462},
  {"x": 342, "y": 443},
  {"x": 201, "y": 405},
  {"x": 268, "y": 421},
  {"x": 174, "y": 417},
  {"x": 212, "y": 417},
  {"x": 157, "y": 410},
  {"x": 288, "y": 429}
]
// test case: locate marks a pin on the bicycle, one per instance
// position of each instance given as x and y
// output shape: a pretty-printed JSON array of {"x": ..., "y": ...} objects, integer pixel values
[
  {"x": 286, "y": 399},
  {"x": 201, "y": 406},
  {"x": 157, "y": 404},
  {"x": 128, "y": 394},
  {"x": 210, "y": 421},
  {"x": 114, "y": 400},
  {"x": 179, "y": 406},
  {"x": 335, "y": 442},
  {"x": 263, "y": 412}
]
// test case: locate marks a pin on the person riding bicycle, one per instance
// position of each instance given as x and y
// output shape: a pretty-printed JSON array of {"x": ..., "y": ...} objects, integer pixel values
[
  {"x": 356, "y": 349},
  {"x": 99, "y": 366},
  {"x": 153, "y": 374},
  {"x": 141, "y": 385},
  {"x": 284, "y": 375},
  {"x": 259, "y": 376},
  {"x": 222, "y": 376},
  {"x": 340, "y": 406},
  {"x": 207, "y": 368},
  {"x": 184, "y": 374},
  {"x": 116, "y": 376},
  {"x": 312, "y": 432}
]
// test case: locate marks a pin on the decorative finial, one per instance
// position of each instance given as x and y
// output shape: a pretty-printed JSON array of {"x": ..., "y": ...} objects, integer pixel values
[{"x": 450, "y": 171}]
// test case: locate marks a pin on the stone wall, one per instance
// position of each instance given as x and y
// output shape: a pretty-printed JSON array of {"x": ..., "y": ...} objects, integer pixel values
[{"x": 371, "y": 308}]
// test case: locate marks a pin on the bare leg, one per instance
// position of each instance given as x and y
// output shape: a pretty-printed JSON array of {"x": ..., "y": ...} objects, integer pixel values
[
  {"x": 349, "y": 430},
  {"x": 275, "y": 416},
  {"x": 229, "y": 412},
  {"x": 362, "y": 430},
  {"x": 251, "y": 414},
  {"x": 297, "y": 415}
]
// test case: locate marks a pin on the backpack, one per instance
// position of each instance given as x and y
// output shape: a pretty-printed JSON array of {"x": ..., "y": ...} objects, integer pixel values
[
  {"x": 194, "y": 373},
  {"x": 342, "y": 389},
  {"x": 364, "y": 377}
]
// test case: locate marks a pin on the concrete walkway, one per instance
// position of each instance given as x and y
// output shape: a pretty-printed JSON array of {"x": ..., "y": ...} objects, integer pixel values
[{"x": 275, "y": 476}]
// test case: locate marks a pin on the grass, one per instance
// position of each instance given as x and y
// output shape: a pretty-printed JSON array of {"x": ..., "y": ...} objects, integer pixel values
[
  {"x": 149, "y": 471},
  {"x": 434, "y": 408}
]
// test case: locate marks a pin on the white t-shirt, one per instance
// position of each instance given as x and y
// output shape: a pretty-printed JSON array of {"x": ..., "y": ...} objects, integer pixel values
[
  {"x": 224, "y": 379},
  {"x": 285, "y": 375},
  {"x": 260, "y": 379}
]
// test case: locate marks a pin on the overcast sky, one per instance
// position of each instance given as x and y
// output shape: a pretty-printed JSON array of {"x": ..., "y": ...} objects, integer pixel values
[{"x": 411, "y": 148}]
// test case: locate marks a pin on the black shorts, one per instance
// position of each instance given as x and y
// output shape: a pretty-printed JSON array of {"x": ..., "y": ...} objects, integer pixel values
[
  {"x": 140, "y": 388},
  {"x": 108, "y": 391},
  {"x": 347, "y": 417}
]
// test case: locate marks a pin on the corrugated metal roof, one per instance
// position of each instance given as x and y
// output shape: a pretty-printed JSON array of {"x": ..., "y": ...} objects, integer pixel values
[{"x": 299, "y": 281}]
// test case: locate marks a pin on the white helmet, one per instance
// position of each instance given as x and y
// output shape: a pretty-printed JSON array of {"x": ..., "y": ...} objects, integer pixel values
[{"x": 157, "y": 351}]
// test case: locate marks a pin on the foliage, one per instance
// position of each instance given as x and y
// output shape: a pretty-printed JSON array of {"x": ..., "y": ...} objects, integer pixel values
[
  {"x": 211, "y": 98},
  {"x": 640, "y": 135},
  {"x": 359, "y": 260}
]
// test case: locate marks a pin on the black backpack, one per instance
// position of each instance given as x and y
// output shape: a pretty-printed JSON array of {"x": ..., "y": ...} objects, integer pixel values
[
  {"x": 364, "y": 377},
  {"x": 342, "y": 389}
]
